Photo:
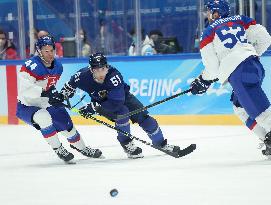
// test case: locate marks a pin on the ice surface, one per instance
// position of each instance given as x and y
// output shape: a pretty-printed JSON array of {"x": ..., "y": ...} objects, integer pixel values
[{"x": 226, "y": 168}]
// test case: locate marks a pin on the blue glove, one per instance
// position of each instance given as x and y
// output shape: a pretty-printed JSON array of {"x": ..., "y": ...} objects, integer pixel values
[
  {"x": 55, "y": 98},
  {"x": 89, "y": 109},
  {"x": 200, "y": 86}
]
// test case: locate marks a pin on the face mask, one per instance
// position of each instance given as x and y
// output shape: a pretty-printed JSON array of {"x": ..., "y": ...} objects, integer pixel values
[
  {"x": 134, "y": 38},
  {"x": 2, "y": 42}
]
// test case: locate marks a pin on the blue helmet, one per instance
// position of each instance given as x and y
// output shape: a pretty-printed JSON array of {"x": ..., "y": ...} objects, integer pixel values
[
  {"x": 44, "y": 41},
  {"x": 221, "y": 6},
  {"x": 97, "y": 60}
]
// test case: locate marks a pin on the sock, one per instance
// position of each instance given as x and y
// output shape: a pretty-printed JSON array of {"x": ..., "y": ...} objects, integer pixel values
[
  {"x": 151, "y": 127},
  {"x": 50, "y": 135},
  {"x": 74, "y": 138}
]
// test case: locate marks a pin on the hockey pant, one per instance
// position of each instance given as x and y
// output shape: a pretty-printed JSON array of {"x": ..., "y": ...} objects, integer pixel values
[
  {"x": 51, "y": 121},
  {"x": 246, "y": 81}
]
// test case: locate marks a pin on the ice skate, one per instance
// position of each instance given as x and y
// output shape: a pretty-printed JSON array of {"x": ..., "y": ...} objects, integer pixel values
[
  {"x": 63, "y": 154},
  {"x": 170, "y": 148},
  {"x": 132, "y": 150},
  {"x": 267, "y": 142},
  {"x": 89, "y": 152}
]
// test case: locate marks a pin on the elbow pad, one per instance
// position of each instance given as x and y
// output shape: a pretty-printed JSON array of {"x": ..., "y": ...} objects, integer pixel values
[{"x": 258, "y": 36}]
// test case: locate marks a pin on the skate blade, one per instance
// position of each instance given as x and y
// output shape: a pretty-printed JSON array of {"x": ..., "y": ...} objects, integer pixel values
[
  {"x": 70, "y": 162},
  {"x": 100, "y": 157},
  {"x": 135, "y": 156}
]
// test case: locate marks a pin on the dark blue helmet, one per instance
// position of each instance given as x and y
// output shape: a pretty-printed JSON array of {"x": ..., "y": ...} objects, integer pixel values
[
  {"x": 44, "y": 41},
  {"x": 97, "y": 60},
  {"x": 221, "y": 6}
]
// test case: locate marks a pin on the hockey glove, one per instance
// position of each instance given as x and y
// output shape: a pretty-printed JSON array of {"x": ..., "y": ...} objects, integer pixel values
[
  {"x": 55, "y": 98},
  {"x": 89, "y": 109},
  {"x": 200, "y": 86},
  {"x": 68, "y": 91}
]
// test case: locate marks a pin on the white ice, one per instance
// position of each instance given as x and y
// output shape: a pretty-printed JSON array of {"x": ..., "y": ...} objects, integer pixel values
[{"x": 225, "y": 169}]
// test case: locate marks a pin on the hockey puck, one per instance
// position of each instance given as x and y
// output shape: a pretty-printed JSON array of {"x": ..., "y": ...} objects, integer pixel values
[{"x": 114, "y": 192}]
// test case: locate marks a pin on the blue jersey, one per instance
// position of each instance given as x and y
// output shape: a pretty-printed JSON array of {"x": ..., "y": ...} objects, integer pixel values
[{"x": 110, "y": 94}]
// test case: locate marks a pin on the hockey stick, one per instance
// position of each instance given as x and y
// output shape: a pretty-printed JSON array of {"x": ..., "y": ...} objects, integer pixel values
[
  {"x": 181, "y": 153},
  {"x": 119, "y": 117},
  {"x": 69, "y": 104}
]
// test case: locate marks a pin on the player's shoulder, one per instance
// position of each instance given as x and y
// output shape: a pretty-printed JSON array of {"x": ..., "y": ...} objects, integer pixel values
[
  {"x": 112, "y": 70},
  {"x": 32, "y": 63},
  {"x": 57, "y": 63},
  {"x": 33, "y": 59},
  {"x": 83, "y": 71}
]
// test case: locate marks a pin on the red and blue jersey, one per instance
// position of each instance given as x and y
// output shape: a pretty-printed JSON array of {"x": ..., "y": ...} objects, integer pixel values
[
  {"x": 224, "y": 45},
  {"x": 35, "y": 68},
  {"x": 34, "y": 77}
]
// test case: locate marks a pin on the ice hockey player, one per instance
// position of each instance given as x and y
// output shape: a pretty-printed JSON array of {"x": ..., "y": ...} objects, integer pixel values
[
  {"x": 230, "y": 48},
  {"x": 108, "y": 91},
  {"x": 37, "y": 80}
]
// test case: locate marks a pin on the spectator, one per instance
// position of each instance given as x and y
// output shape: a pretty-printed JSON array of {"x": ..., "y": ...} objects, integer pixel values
[
  {"x": 132, "y": 48},
  {"x": 59, "y": 47},
  {"x": 150, "y": 42},
  {"x": 86, "y": 48},
  {"x": 7, "y": 48},
  {"x": 105, "y": 41},
  {"x": 42, "y": 33}
]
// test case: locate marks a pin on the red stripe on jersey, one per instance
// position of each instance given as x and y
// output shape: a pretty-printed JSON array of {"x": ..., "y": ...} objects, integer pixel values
[
  {"x": 24, "y": 69},
  {"x": 246, "y": 26},
  {"x": 207, "y": 40},
  {"x": 253, "y": 125},
  {"x": 11, "y": 73},
  {"x": 52, "y": 79}
]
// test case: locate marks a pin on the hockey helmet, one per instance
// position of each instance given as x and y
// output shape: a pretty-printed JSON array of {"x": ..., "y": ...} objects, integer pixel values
[
  {"x": 44, "y": 41},
  {"x": 97, "y": 60},
  {"x": 221, "y": 6}
]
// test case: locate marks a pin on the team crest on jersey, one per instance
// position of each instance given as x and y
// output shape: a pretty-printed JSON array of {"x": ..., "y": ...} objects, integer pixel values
[
  {"x": 52, "y": 80},
  {"x": 102, "y": 94}
]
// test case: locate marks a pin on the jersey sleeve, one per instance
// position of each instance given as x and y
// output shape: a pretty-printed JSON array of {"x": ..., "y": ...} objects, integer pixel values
[
  {"x": 69, "y": 87},
  {"x": 209, "y": 57},
  {"x": 28, "y": 86},
  {"x": 258, "y": 36}
]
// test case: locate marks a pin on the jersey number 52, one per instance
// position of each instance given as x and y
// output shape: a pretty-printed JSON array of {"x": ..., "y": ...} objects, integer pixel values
[{"x": 230, "y": 36}]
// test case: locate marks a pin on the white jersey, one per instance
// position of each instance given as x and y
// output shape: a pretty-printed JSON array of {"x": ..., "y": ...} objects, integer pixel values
[
  {"x": 34, "y": 77},
  {"x": 227, "y": 42}
]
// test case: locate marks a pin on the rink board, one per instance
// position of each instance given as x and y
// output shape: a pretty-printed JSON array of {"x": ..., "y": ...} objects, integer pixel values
[{"x": 151, "y": 78}]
